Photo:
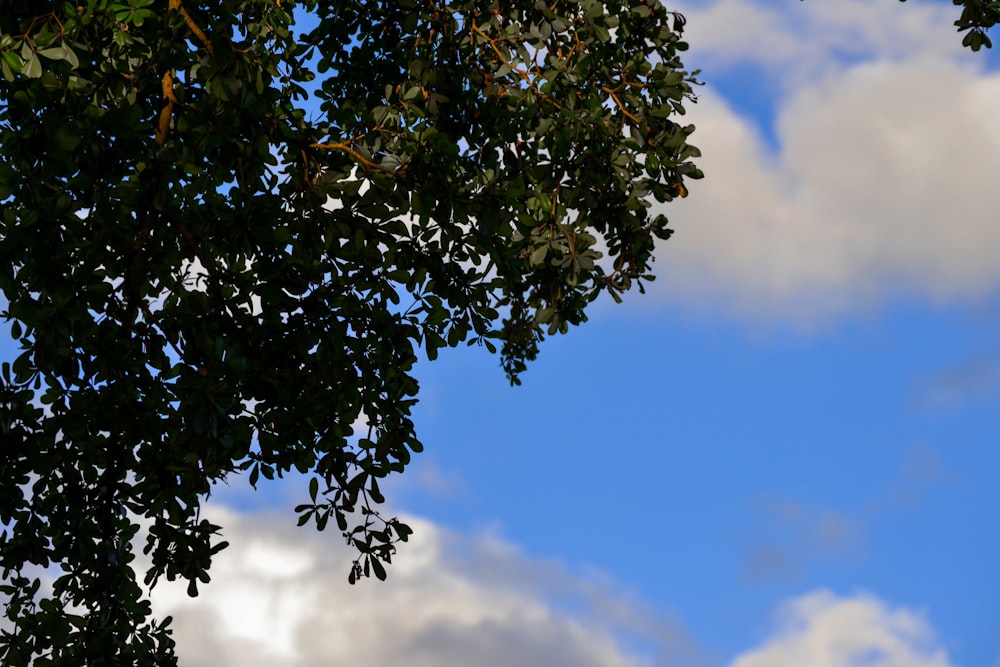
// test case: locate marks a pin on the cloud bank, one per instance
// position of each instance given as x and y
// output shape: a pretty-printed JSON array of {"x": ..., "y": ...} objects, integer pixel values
[
  {"x": 279, "y": 597},
  {"x": 883, "y": 180}
]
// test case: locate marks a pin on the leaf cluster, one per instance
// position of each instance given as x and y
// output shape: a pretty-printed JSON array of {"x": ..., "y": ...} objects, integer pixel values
[
  {"x": 977, "y": 17},
  {"x": 229, "y": 229}
]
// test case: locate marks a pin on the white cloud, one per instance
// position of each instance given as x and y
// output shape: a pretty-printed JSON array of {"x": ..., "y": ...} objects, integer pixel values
[
  {"x": 279, "y": 597},
  {"x": 883, "y": 182},
  {"x": 823, "y": 630}
]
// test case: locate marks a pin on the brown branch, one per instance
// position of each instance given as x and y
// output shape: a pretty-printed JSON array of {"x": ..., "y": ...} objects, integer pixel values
[
  {"x": 305, "y": 167},
  {"x": 135, "y": 270},
  {"x": 614, "y": 96},
  {"x": 163, "y": 127},
  {"x": 493, "y": 45},
  {"x": 198, "y": 32},
  {"x": 365, "y": 162},
  {"x": 528, "y": 76}
]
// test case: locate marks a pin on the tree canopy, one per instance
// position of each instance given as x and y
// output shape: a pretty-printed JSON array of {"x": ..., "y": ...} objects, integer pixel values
[{"x": 227, "y": 230}]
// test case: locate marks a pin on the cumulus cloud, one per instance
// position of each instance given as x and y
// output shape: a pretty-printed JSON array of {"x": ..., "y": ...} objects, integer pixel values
[
  {"x": 279, "y": 597},
  {"x": 823, "y": 630},
  {"x": 882, "y": 182}
]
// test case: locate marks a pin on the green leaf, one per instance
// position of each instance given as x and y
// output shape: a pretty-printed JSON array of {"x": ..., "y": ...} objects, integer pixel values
[
  {"x": 374, "y": 491},
  {"x": 538, "y": 255},
  {"x": 13, "y": 62},
  {"x": 52, "y": 53},
  {"x": 378, "y": 569},
  {"x": 602, "y": 33},
  {"x": 32, "y": 68},
  {"x": 71, "y": 57}
]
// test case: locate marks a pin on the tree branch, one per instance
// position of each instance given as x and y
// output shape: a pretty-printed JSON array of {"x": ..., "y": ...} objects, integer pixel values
[
  {"x": 614, "y": 96},
  {"x": 198, "y": 32},
  {"x": 365, "y": 162},
  {"x": 163, "y": 127}
]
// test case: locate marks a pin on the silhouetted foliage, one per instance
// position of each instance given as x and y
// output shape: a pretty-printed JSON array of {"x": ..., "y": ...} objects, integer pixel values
[{"x": 227, "y": 228}]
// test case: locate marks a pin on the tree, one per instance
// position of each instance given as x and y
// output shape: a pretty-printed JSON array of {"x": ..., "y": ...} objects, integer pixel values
[{"x": 224, "y": 236}]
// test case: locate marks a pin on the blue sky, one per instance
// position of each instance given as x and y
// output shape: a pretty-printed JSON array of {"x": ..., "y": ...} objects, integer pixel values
[
  {"x": 810, "y": 406},
  {"x": 785, "y": 454}
]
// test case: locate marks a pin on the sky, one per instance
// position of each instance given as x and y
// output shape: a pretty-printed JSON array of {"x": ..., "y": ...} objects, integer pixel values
[{"x": 786, "y": 453}]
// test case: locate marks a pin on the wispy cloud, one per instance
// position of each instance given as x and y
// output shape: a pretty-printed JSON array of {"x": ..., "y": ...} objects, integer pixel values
[
  {"x": 790, "y": 534},
  {"x": 977, "y": 376},
  {"x": 426, "y": 476}
]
